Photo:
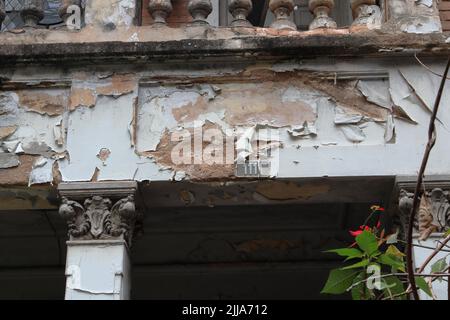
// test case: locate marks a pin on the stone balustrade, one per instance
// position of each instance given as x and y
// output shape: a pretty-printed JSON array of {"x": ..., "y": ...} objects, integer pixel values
[{"x": 281, "y": 13}]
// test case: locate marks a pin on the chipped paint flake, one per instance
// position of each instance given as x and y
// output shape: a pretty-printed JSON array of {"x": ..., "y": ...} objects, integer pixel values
[
  {"x": 42, "y": 171},
  {"x": 103, "y": 155},
  {"x": 353, "y": 133},
  {"x": 8, "y": 160},
  {"x": 343, "y": 117},
  {"x": 82, "y": 97},
  {"x": 305, "y": 130},
  {"x": 376, "y": 92}
]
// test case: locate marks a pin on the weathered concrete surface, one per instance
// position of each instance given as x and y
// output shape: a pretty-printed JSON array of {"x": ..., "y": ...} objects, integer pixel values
[
  {"x": 147, "y": 43},
  {"x": 414, "y": 16}
]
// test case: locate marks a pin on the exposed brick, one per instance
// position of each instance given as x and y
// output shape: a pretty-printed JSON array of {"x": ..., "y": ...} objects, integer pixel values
[
  {"x": 445, "y": 15},
  {"x": 446, "y": 25},
  {"x": 444, "y": 5}
]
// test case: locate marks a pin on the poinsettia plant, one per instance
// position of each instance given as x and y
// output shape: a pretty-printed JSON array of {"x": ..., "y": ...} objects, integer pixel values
[{"x": 374, "y": 268}]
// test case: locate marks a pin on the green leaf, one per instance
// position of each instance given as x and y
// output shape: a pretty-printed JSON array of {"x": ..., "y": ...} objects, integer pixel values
[
  {"x": 367, "y": 241},
  {"x": 393, "y": 250},
  {"x": 360, "y": 264},
  {"x": 339, "y": 281},
  {"x": 358, "y": 290},
  {"x": 447, "y": 233},
  {"x": 423, "y": 285},
  {"x": 439, "y": 266},
  {"x": 350, "y": 253},
  {"x": 392, "y": 261},
  {"x": 393, "y": 287}
]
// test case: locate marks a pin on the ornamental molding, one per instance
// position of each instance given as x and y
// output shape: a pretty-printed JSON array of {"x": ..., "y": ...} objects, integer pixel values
[
  {"x": 433, "y": 214},
  {"x": 100, "y": 210}
]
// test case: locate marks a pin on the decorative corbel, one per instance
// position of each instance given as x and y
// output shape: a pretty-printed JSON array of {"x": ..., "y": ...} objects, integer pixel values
[
  {"x": 100, "y": 210},
  {"x": 433, "y": 214}
]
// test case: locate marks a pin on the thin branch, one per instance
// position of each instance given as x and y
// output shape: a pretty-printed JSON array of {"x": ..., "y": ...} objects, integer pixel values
[
  {"x": 447, "y": 246},
  {"x": 422, "y": 246},
  {"x": 433, "y": 254},
  {"x": 428, "y": 68},
  {"x": 417, "y": 192},
  {"x": 396, "y": 295}
]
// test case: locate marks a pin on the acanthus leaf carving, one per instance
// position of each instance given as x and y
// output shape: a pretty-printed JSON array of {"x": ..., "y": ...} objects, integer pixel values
[
  {"x": 99, "y": 218},
  {"x": 433, "y": 214},
  {"x": 77, "y": 220}
]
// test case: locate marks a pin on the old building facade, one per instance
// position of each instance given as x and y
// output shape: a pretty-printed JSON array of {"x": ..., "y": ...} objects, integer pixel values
[{"x": 209, "y": 149}]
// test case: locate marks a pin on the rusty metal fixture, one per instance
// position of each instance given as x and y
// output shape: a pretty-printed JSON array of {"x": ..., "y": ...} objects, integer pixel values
[
  {"x": 321, "y": 10},
  {"x": 240, "y": 9},
  {"x": 159, "y": 10},
  {"x": 362, "y": 11},
  {"x": 282, "y": 10},
  {"x": 200, "y": 10},
  {"x": 2, "y": 11},
  {"x": 32, "y": 12},
  {"x": 65, "y": 4}
]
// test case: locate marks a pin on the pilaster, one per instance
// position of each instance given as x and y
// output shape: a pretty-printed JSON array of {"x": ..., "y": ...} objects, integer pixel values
[{"x": 102, "y": 222}]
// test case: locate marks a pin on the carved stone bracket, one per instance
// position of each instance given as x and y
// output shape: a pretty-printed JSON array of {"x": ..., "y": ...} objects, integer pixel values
[
  {"x": 433, "y": 214},
  {"x": 100, "y": 210}
]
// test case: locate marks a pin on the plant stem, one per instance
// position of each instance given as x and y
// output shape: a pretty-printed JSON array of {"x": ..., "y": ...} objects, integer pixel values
[{"x": 418, "y": 192}]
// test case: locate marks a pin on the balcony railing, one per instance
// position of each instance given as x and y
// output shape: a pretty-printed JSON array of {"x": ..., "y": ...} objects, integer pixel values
[
  {"x": 364, "y": 12},
  {"x": 34, "y": 13}
]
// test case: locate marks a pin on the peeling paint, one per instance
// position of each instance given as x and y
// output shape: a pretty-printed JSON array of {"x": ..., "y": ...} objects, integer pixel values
[
  {"x": 82, "y": 97},
  {"x": 103, "y": 155},
  {"x": 116, "y": 124},
  {"x": 8, "y": 160},
  {"x": 50, "y": 102},
  {"x": 42, "y": 171},
  {"x": 118, "y": 85},
  {"x": 353, "y": 133}
]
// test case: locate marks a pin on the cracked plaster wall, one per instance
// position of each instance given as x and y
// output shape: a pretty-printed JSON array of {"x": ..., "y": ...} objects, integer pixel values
[{"x": 334, "y": 118}]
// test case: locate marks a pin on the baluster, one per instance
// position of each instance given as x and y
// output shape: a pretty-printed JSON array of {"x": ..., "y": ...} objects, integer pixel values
[
  {"x": 159, "y": 10},
  {"x": 240, "y": 9},
  {"x": 32, "y": 12},
  {"x": 282, "y": 9},
  {"x": 200, "y": 10},
  {"x": 2, "y": 12},
  {"x": 321, "y": 10},
  {"x": 365, "y": 12},
  {"x": 65, "y": 4}
]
